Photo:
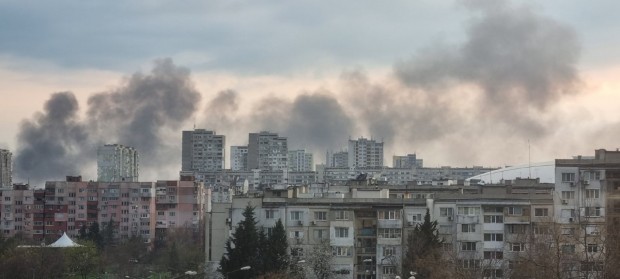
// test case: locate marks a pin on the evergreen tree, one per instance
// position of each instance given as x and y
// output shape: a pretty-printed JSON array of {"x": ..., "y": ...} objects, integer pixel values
[
  {"x": 94, "y": 235},
  {"x": 277, "y": 248},
  {"x": 424, "y": 245},
  {"x": 83, "y": 233},
  {"x": 242, "y": 248},
  {"x": 108, "y": 233}
]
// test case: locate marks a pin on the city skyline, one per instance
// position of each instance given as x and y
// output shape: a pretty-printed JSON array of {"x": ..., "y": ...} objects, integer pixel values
[{"x": 400, "y": 76}]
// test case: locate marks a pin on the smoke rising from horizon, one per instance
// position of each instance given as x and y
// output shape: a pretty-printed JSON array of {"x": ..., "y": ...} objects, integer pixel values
[
  {"x": 497, "y": 88},
  {"x": 139, "y": 113}
]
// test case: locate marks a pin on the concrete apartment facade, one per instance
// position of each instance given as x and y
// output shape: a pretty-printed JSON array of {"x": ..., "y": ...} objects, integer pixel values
[
  {"x": 239, "y": 158},
  {"x": 116, "y": 163},
  {"x": 202, "y": 151},
  {"x": 300, "y": 161},
  {"x": 144, "y": 209},
  {"x": 365, "y": 153},
  {"x": 489, "y": 228},
  {"x": 267, "y": 151},
  {"x": 6, "y": 167}
]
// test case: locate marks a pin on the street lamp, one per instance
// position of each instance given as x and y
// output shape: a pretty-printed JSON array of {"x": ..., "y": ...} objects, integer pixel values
[{"x": 247, "y": 267}]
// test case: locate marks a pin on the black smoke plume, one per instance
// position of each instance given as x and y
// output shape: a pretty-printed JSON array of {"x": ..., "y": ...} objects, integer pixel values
[{"x": 142, "y": 113}]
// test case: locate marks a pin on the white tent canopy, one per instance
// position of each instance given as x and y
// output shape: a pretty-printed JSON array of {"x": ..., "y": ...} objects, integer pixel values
[{"x": 64, "y": 241}]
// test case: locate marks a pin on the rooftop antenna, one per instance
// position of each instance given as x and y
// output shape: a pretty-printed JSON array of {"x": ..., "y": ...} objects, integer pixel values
[{"x": 529, "y": 159}]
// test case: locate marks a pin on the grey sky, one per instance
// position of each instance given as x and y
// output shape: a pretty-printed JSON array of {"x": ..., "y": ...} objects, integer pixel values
[{"x": 360, "y": 63}]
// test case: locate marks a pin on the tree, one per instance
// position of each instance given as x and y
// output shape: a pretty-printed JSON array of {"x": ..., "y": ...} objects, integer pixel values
[
  {"x": 423, "y": 244},
  {"x": 242, "y": 248},
  {"x": 277, "y": 247},
  {"x": 108, "y": 233},
  {"x": 94, "y": 235},
  {"x": 81, "y": 260},
  {"x": 320, "y": 260}
]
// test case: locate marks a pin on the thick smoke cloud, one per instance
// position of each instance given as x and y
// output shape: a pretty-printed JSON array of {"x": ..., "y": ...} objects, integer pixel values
[
  {"x": 502, "y": 80},
  {"x": 52, "y": 143},
  {"x": 142, "y": 113},
  {"x": 520, "y": 61},
  {"x": 312, "y": 121}
]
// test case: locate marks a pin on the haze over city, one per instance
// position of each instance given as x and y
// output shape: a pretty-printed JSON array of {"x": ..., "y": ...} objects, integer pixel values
[{"x": 460, "y": 83}]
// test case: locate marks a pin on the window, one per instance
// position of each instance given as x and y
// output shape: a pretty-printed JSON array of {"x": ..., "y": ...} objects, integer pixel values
[
  {"x": 494, "y": 219},
  {"x": 171, "y": 213},
  {"x": 592, "y": 248},
  {"x": 446, "y": 211},
  {"x": 568, "y": 195},
  {"x": 389, "y": 233},
  {"x": 160, "y": 213},
  {"x": 568, "y": 231},
  {"x": 493, "y": 273},
  {"x": 516, "y": 228},
  {"x": 468, "y": 228},
  {"x": 389, "y": 251},
  {"x": 270, "y": 214},
  {"x": 592, "y": 194},
  {"x": 468, "y": 246},
  {"x": 542, "y": 230},
  {"x": 341, "y": 251},
  {"x": 470, "y": 263},
  {"x": 297, "y": 215},
  {"x": 493, "y": 237},
  {"x": 389, "y": 214},
  {"x": 320, "y": 234},
  {"x": 493, "y": 255},
  {"x": 469, "y": 210},
  {"x": 568, "y": 177},
  {"x": 568, "y": 248},
  {"x": 341, "y": 215},
  {"x": 593, "y": 211},
  {"x": 517, "y": 247},
  {"x": 320, "y": 215},
  {"x": 516, "y": 211},
  {"x": 342, "y": 232},
  {"x": 389, "y": 270},
  {"x": 591, "y": 266},
  {"x": 297, "y": 234},
  {"x": 541, "y": 212}
]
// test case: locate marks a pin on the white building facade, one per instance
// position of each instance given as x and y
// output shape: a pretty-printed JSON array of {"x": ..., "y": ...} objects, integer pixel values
[{"x": 117, "y": 163}]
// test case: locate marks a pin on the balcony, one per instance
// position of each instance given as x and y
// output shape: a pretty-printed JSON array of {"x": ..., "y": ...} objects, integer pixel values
[
  {"x": 367, "y": 232},
  {"x": 510, "y": 219},
  {"x": 366, "y": 250},
  {"x": 467, "y": 219}
]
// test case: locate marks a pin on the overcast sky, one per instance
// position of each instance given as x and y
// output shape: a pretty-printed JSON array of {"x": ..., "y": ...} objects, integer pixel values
[{"x": 424, "y": 76}]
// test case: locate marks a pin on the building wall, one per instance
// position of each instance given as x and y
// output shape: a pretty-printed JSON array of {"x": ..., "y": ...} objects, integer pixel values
[
  {"x": 299, "y": 160},
  {"x": 365, "y": 153},
  {"x": 267, "y": 151},
  {"x": 6, "y": 166},
  {"x": 239, "y": 158},
  {"x": 202, "y": 151},
  {"x": 116, "y": 163}
]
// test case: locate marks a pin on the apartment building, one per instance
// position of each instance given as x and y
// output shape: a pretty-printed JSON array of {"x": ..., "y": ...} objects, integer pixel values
[
  {"x": 300, "y": 160},
  {"x": 202, "y": 151},
  {"x": 239, "y": 158},
  {"x": 116, "y": 163},
  {"x": 408, "y": 161},
  {"x": 180, "y": 203},
  {"x": 267, "y": 151},
  {"x": 6, "y": 167},
  {"x": 365, "y": 153},
  {"x": 337, "y": 159},
  {"x": 144, "y": 209},
  {"x": 489, "y": 229}
]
